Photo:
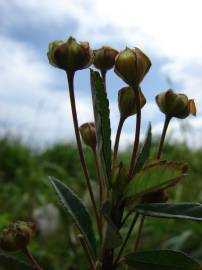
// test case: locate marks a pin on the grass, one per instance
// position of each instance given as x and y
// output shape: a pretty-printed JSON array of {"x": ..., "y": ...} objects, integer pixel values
[{"x": 24, "y": 187}]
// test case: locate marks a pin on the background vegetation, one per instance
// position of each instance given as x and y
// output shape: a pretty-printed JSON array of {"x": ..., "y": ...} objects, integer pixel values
[{"x": 25, "y": 188}]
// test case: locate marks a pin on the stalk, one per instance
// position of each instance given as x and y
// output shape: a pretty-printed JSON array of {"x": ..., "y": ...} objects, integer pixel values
[
  {"x": 107, "y": 261},
  {"x": 70, "y": 76},
  {"x": 125, "y": 241},
  {"x": 31, "y": 258},
  {"x": 137, "y": 134},
  {"x": 160, "y": 148},
  {"x": 163, "y": 135},
  {"x": 87, "y": 254},
  {"x": 139, "y": 232},
  {"x": 118, "y": 134}
]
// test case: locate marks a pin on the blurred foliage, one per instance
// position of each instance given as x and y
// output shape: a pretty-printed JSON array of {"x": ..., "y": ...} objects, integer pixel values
[{"x": 24, "y": 187}]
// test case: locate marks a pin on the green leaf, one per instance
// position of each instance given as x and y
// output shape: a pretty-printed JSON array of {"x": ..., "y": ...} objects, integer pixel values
[
  {"x": 102, "y": 121},
  {"x": 155, "y": 176},
  {"x": 76, "y": 209},
  {"x": 180, "y": 241},
  {"x": 112, "y": 237},
  {"x": 11, "y": 263},
  {"x": 161, "y": 260},
  {"x": 189, "y": 211},
  {"x": 145, "y": 152}
]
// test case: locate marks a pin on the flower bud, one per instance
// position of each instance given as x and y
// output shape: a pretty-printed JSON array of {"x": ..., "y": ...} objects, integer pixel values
[
  {"x": 127, "y": 102},
  {"x": 17, "y": 236},
  {"x": 70, "y": 55},
  {"x": 88, "y": 134},
  {"x": 104, "y": 58},
  {"x": 132, "y": 65},
  {"x": 175, "y": 105}
]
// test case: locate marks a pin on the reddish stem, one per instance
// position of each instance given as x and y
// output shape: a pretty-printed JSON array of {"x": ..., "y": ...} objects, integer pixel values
[
  {"x": 70, "y": 77},
  {"x": 118, "y": 134},
  {"x": 31, "y": 258},
  {"x": 163, "y": 135},
  {"x": 137, "y": 134}
]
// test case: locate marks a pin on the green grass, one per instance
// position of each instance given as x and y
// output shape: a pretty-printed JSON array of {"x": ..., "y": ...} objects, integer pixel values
[{"x": 24, "y": 187}]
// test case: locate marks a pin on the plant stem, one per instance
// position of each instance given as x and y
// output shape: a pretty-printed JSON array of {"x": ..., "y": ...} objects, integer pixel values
[
  {"x": 70, "y": 77},
  {"x": 137, "y": 134},
  {"x": 86, "y": 251},
  {"x": 107, "y": 260},
  {"x": 139, "y": 232},
  {"x": 141, "y": 224},
  {"x": 118, "y": 133},
  {"x": 126, "y": 240},
  {"x": 31, "y": 258},
  {"x": 125, "y": 218},
  {"x": 101, "y": 186},
  {"x": 165, "y": 127}
]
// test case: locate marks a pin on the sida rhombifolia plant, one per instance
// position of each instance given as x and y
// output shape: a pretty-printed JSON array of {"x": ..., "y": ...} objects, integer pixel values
[{"x": 128, "y": 193}]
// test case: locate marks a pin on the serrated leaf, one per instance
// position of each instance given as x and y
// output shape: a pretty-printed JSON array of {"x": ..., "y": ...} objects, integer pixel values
[
  {"x": 112, "y": 237},
  {"x": 11, "y": 263},
  {"x": 76, "y": 209},
  {"x": 161, "y": 260},
  {"x": 155, "y": 176},
  {"x": 102, "y": 121},
  {"x": 145, "y": 152},
  {"x": 188, "y": 211}
]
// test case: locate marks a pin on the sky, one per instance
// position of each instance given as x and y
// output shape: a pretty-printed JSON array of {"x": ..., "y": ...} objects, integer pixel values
[{"x": 34, "y": 101}]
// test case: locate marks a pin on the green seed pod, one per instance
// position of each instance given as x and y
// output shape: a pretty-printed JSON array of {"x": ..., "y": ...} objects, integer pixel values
[
  {"x": 127, "y": 102},
  {"x": 88, "y": 134},
  {"x": 104, "y": 58},
  {"x": 70, "y": 55},
  {"x": 175, "y": 105},
  {"x": 132, "y": 65}
]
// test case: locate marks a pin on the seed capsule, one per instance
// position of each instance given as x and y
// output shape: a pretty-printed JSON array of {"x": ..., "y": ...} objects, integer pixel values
[
  {"x": 175, "y": 105},
  {"x": 70, "y": 55},
  {"x": 127, "y": 102},
  {"x": 17, "y": 236},
  {"x": 88, "y": 134},
  {"x": 104, "y": 58},
  {"x": 132, "y": 65}
]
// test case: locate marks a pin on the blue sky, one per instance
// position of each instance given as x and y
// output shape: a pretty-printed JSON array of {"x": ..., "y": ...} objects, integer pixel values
[{"x": 34, "y": 103}]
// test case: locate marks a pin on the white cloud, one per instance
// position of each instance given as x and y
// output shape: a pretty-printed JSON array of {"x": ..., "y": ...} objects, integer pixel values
[
  {"x": 28, "y": 107},
  {"x": 166, "y": 30}
]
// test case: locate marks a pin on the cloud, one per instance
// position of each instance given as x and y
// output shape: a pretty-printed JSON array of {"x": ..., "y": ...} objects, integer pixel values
[
  {"x": 168, "y": 31},
  {"x": 29, "y": 106}
]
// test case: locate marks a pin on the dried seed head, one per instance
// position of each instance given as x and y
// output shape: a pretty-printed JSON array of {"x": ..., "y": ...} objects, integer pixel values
[
  {"x": 132, "y": 65},
  {"x": 88, "y": 134},
  {"x": 70, "y": 55},
  {"x": 175, "y": 105},
  {"x": 17, "y": 236},
  {"x": 104, "y": 58},
  {"x": 127, "y": 101}
]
